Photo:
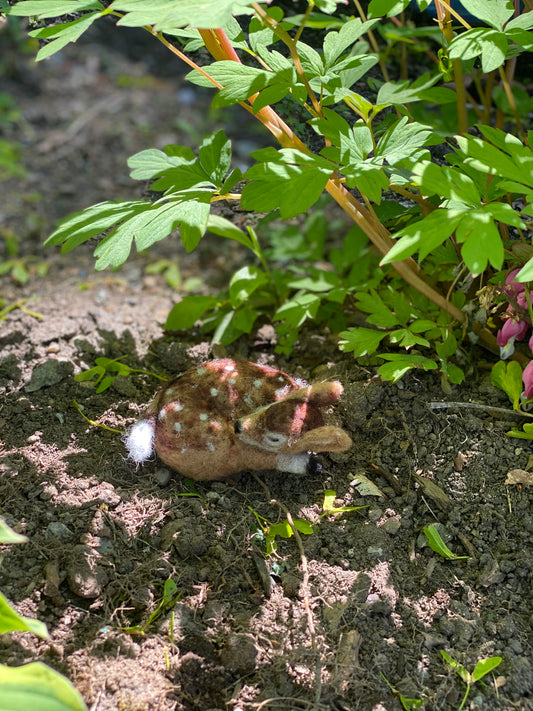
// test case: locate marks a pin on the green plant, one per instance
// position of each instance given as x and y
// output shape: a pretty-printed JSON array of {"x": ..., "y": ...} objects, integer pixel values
[
  {"x": 482, "y": 668},
  {"x": 456, "y": 213},
  {"x": 270, "y": 531},
  {"x": 407, "y": 703},
  {"x": 169, "y": 599},
  {"x": 32, "y": 685},
  {"x": 437, "y": 544},
  {"x": 107, "y": 370}
]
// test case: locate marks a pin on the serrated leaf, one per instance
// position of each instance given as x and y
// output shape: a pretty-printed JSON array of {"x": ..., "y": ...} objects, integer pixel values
[
  {"x": 188, "y": 311},
  {"x": 403, "y": 140},
  {"x": 244, "y": 282},
  {"x": 289, "y": 179},
  {"x": 424, "y": 236},
  {"x": 222, "y": 227},
  {"x": 335, "y": 43},
  {"x": 493, "y": 12},
  {"x": 490, "y": 44},
  {"x": 215, "y": 156},
  {"x": 63, "y": 34},
  {"x": 407, "y": 91},
  {"x": 36, "y": 686},
  {"x": 166, "y": 15},
  {"x": 380, "y": 314},
  {"x": 507, "y": 376},
  {"x": 11, "y": 621},
  {"x": 446, "y": 182},
  {"x": 360, "y": 341},
  {"x": 482, "y": 241},
  {"x": 81, "y": 226},
  {"x": 400, "y": 364},
  {"x": 8, "y": 535},
  {"x": 44, "y": 9}
]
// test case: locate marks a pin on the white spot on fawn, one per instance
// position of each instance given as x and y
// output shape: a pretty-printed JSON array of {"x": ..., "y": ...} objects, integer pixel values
[
  {"x": 177, "y": 426},
  {"x": 177, "y": 406},
  {"x": 203, "y": 416},
  {"x": 201, "y": 371},
  {"x": 214, "y": 392},
  {"x": 258, "y": 383},
  {"x": 211, "y": 446},
  {"x": 139, "y": 440}
]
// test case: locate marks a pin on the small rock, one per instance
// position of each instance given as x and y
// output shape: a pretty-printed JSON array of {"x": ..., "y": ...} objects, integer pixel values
[
  {"x": 49, "y": 373},
  {"x": 55, "y": 530},
  {"x": 391, "y": 526},
  {"x": 162, "y": 476},
  {"x": 84, "y": 577}
]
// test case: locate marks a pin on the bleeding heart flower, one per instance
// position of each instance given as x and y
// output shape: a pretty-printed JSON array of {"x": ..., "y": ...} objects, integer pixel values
[
  {"x": 513, "y": 285},
  {"x": 510, "y": 332},
  {"x": 527, "y": 379}
]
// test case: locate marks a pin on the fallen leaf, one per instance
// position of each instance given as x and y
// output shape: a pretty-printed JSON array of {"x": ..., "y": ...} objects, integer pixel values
[{"x": 519, "y": 476}]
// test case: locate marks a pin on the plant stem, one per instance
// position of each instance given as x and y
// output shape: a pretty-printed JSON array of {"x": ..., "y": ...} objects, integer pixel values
[{"x": 444, "y": 13}]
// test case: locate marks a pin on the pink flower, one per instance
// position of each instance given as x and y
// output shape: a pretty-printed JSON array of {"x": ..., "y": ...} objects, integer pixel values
[
  {"x": 530, "y": 343},
  {"x": 510, "y": 332},
  {"x": 527, "y": 379},
  {"x": 513, "y": 285}
]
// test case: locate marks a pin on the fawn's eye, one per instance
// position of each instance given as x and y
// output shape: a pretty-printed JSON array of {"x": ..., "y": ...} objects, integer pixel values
[
  {"x": 274, "y": 439},
  {"x": 238, "y": 427}
]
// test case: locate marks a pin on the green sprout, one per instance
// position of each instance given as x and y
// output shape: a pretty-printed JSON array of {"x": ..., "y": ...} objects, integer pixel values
[{"x": 483, "y": 667}]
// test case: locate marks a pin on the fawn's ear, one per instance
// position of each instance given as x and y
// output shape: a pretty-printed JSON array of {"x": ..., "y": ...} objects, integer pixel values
[{"x": 319, "y": 394}]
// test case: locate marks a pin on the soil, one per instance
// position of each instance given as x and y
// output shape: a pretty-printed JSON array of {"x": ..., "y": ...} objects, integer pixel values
[{"x": 332, "y": 620}]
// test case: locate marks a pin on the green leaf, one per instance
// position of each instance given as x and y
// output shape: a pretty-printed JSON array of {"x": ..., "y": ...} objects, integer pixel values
[
  {"x": 490, "y": 44},
  {"x": 407, "y": 91},
  {"x": 456, "y": 666},
  {"x": 36, "y": 686},
  {"x": 11, "y": 621},
  {"x": 381, "y": 314},
  {"x": 404, "y": 140},
  {"x": 81, "y": 226},
  {"x": 215, "y": 156},
  {"x": 437, "y": 544},
  {"x": 222, "y": 227},
  {"x": 401, "y": 364},
  {"x": 244, "y": 282},
  {"x": 482, "y": 241},
  {"x": 44, "y": 9},
  {"x": 492, "y": 12},
  {"x": 62, "y": 34},
  {"x": 303, "y": 526},
  {"x": 8, "y": 535},
  {"x": 289, "y": 179},
  {"x": 507, "y": 376},
  {"x": 446, "y": 182},
  {"x": 526, "y": 434},
  {"x": 298, "y": 309},
  {"x": 424, "y": 236},
  {"x": 166, "y": 15},
  {"x": 484, "y": 666},
  {"x": 188, "y": 311},
  {"x": 335, "y": 43},
  {"x": 329, "y": 500},
  {"x": 386, "y": 8},
  {"x": 360, "y": 341}
]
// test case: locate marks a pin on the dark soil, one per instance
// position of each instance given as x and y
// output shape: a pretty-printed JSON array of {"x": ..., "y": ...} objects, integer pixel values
[{"x": 325, "y": 621}]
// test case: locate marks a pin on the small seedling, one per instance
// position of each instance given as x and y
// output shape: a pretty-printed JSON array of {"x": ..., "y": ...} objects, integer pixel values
[
  {"x": 437, "y": 544},
  {"x": 482, "y": 668},
  {"x": 283, "y": 529},
  {"x": 170, "y": 597},
  {"x": 329, "y": 508},
  {"x": 107, "y": 370},
  {"x": 19, "y": 304},
  {"x": 408, "y": 704}
]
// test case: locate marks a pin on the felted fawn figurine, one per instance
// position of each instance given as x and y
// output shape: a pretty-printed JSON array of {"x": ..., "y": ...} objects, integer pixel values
[{"x": 227, "y": 415}]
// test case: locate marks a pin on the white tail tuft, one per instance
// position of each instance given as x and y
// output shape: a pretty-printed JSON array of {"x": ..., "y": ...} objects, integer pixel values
[{"x": 139, "y": 440}]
